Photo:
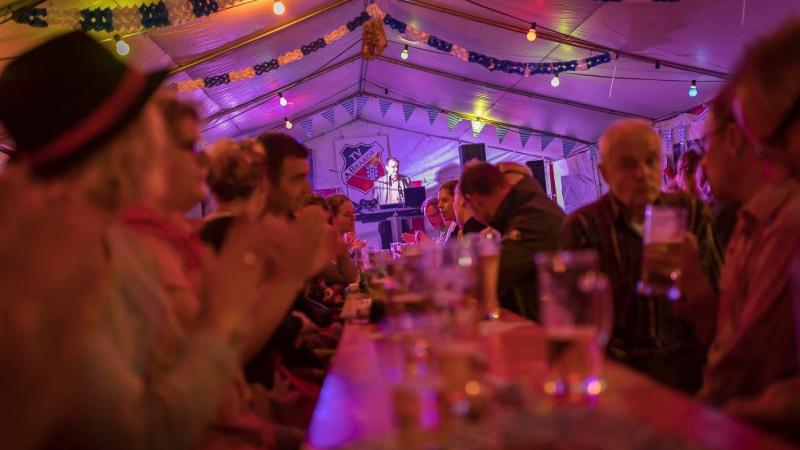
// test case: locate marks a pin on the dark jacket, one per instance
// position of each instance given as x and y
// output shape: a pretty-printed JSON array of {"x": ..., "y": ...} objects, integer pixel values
[
  {"x": 529, "y": 223},
  {"x": 473, "y": 225}
]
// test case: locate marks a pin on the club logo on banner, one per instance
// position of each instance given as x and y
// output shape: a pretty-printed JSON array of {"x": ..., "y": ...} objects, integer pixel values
[{"x": 362, "y": 162}]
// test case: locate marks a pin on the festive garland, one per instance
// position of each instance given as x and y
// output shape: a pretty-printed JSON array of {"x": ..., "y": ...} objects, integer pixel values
[
  {"x": 274, "y": 64},
  {"x": 503, "y": 65},
  {"x": 374, "y": 12},
  {"x": 125, "y": 19}
]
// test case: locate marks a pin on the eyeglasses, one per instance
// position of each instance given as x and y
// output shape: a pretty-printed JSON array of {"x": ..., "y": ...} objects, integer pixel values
[{"x": 705, "y": 139}]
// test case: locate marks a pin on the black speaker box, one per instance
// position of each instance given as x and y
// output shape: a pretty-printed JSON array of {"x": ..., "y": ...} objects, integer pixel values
[
  {"x": 537, "y": 167},
  {"x": 468, "y": 152}
]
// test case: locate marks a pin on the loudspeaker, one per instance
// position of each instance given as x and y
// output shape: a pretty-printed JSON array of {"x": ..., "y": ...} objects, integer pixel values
[
  {"x": 468, "y": 152},
  {"x": 414, "y": 196},
  {"x": 537, "y": 167}
]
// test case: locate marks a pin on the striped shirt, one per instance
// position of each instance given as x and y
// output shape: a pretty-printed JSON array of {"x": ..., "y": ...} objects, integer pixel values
[{"x": 646, "y": 334}]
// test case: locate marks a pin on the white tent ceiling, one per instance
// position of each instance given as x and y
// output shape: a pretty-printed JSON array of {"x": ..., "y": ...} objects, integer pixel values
[{"x": 703, "y": 38}]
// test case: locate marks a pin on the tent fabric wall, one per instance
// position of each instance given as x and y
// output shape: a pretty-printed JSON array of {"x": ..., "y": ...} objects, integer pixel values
[{"x": 577, "y": 181}]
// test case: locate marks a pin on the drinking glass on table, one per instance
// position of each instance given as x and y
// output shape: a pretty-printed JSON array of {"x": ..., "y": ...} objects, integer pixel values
[
  {"x": 663, "y": 233},
  {"x": 486, "y": 251},
  {"x": 450, "y": 272},
  {"x": 576, "y": 313}
]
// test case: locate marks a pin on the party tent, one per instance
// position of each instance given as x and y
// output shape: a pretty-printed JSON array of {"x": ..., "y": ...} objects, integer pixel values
[{"x": 454, "y": 72}]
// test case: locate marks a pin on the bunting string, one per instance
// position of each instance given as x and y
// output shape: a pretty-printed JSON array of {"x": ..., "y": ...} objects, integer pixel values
[
  {"x": 374, "y": 12},
  {"x": 123, "y": 19}
]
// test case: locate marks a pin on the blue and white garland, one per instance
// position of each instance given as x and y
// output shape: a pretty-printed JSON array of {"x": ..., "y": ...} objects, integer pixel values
[{"x": 127, "y": 19}]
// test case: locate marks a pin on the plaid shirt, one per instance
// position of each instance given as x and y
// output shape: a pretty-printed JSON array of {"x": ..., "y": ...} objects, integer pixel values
[{"x": 646, "y": 334}]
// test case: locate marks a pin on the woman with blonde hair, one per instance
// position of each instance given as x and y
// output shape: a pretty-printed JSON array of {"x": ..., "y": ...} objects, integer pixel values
[{"x": 101, "y": 141}]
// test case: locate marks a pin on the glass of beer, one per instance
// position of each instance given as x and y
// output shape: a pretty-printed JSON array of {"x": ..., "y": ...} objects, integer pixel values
[
  {"x": 450, "y": 274},
  {"x": 486, "y": 251},
  {"x": 663, "y": 233},
  {"x": 576, "y": 313}
]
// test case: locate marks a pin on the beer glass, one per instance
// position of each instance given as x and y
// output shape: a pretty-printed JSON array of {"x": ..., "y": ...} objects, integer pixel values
[
  {"x": 486, "y": 251},
  {"x": 663, "y": 234},
  {"x": 576, "y": 313},
  {"x": 450, "y": 272}
]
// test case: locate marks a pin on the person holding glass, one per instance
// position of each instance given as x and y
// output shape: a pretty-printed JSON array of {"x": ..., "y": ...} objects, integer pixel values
[
  {"x": 754, "y": 138},
  {"x": 646, "y": 333}
]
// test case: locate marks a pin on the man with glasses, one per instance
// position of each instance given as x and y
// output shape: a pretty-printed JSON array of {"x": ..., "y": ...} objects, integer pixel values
[
  {"x": 753, "y": 155},
  {"x": 389, "y": 188}
]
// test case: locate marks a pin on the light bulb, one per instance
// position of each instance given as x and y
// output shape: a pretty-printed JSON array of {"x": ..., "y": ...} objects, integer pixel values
[
  {"x": 282, "y": 100},
  {"x": 532, "y": 32},
  {"x": 288, "y": 123},
  {"x": 693, "y": 89},
  {"x": 122, "y": 47},
  {"x": 555, "y": 81},
  {"x": 404, "y": 53},
  {"x": 278, "y": 7}
]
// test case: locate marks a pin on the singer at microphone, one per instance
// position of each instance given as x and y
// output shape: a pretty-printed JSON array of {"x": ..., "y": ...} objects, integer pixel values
[{"x": 389, "y": 188}]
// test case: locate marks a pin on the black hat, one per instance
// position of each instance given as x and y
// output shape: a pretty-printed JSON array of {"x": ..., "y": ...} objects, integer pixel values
[{"x": 63, "y": 99}]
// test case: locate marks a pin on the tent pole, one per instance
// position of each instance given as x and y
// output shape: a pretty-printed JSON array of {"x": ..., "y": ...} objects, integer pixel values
[
  {"x": 247, "y": 40},
  {"x": 561, "y": 38}
]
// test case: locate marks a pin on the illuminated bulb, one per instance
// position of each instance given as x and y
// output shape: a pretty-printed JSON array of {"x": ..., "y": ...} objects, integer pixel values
[
  {"x": 278, "y": 7},
  {"x": 555, "y": 81},
  {"x": 693, "y": 89},
  {"x": 288, "y": 123},
  {"x": 404, "y": 53},
  {"x": 532, "y": 32},
  {"x": 122, "y": 47},
  {"x": 282, "y": 100}
]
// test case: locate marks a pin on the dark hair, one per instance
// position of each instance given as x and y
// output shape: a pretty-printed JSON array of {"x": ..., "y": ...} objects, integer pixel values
[
  {"x": 481, "y": 178},
  {"x": 234, "y": 169},
  {"x": 336, "y": 201},
  {"x": 450, "y": 187},
  {"x": 316, "y": 199},
  {"x": 722, "y": 105},
  {"x": 690, "y": 160},
  {"x": 429, "y": 201},
  {"x": 278, "y": 148}
]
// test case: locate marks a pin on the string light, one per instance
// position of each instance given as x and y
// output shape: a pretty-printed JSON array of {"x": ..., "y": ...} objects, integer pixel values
[
  {"x": 404, "y": 53},
  {"x": 288, "y": 123},
  {"x": 278, "y": 7},
  {"x": 693, "y": 89},
  {"x": 282, "y": 100},
  {"x": 532, "y": 32},
  {"x": 555, "y": 81},
  {"x": 122, "y": 47}
]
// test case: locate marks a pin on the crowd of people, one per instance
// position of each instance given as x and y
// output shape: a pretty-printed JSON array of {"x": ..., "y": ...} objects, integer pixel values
[{"x": 126, "y": 325}]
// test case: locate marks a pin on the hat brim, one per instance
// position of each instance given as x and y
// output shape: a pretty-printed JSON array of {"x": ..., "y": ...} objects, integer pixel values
[{"x": 153, "y": 82}]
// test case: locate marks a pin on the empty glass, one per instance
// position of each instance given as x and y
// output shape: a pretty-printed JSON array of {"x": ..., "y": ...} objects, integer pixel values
[
  {"x": 486, "y": 250},
  {"x": 576, "y": 313},
  {"x": 663, "y": 233}
]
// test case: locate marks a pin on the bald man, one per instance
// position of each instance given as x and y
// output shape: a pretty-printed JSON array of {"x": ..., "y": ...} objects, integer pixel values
[{"x": 647, "y": 335}]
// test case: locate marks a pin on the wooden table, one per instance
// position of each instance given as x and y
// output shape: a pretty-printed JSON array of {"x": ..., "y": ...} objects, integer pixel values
[{"x": 356, "y": 400}]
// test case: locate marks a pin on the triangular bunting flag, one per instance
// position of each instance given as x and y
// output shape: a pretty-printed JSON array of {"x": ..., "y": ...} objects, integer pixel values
[
  {"x": 307, "y": 125},
  {"x": 546, "y": 140},
  {"x": 408, "y": 110},
  {"x": 452, "y": 121},
  {"x": 385, "y": 104},
  {"x": 477, "y": 127},
  {"x": 329, "y": 116},
  {"x": 567, "y": 146},
  {"x": 501, "y": 132},
  {"x": 350, "y": 107},
  {"x": 524, "y": 135},
  {"x": 593, "y": 151},
  {"x": 432, "y": 114},
  {"x": 361, "y": 102}
]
